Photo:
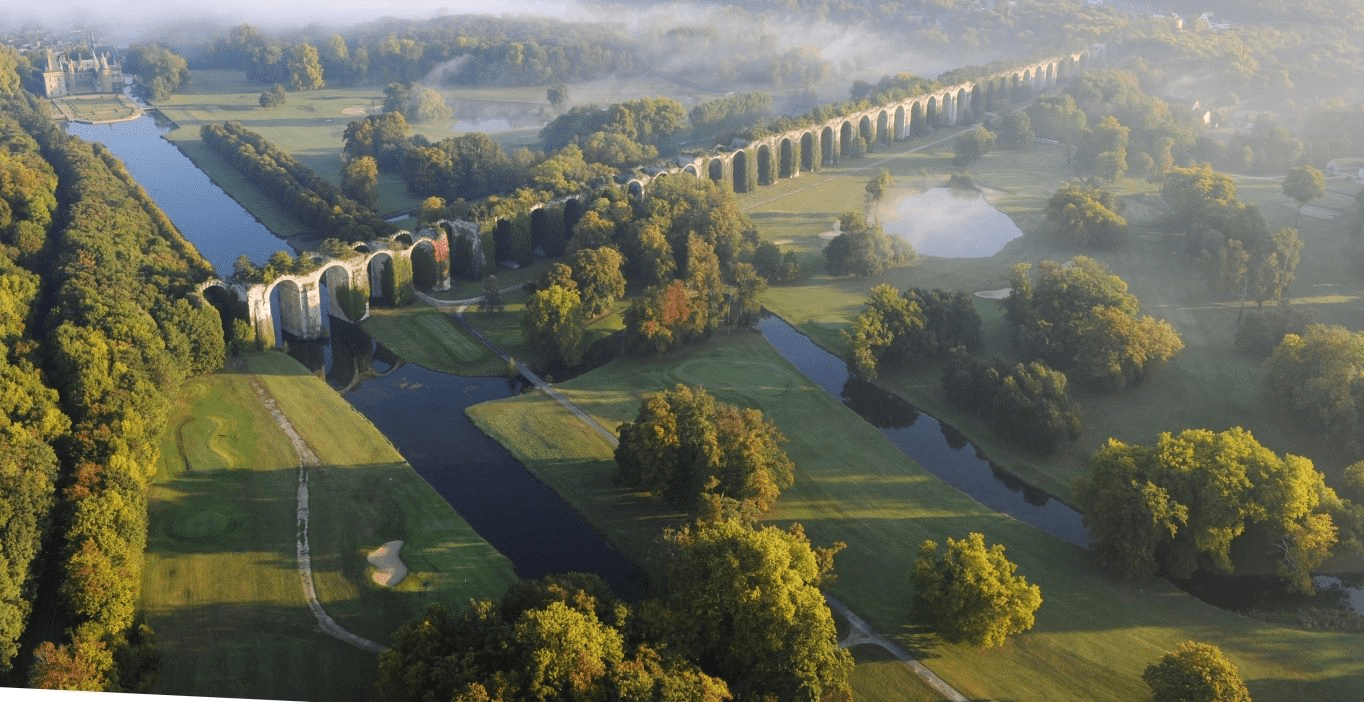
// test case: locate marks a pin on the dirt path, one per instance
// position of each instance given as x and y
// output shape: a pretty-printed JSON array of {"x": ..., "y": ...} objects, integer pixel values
[
  {"x": 308, "y": 459},
  {"x": 860, "y": 632}
]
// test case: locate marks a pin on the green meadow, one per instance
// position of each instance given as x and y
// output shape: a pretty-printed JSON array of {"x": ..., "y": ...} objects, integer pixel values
[
  {"x": 1209, "y": 384},
  {"x": 1094, "y": 635},
  {"x": 221, "y": 585}
]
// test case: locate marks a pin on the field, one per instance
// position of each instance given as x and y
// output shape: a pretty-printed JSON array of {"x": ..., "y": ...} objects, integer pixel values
[
  {"x": 221, "y": 585},
  {"x": 310, "y": 125},
  {"x": 1210, "y": 384},
  {"x": 1094, "y": 636}
]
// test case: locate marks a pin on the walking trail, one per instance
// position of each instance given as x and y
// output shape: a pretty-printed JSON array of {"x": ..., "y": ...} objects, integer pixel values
[
  {"x": 307, "y": 459},
  {"x": 859, "y": 631}
]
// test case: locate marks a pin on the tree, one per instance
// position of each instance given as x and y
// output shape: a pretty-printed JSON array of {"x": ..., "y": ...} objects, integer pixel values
[
  {"x": 491, "y": 299},
  {"x": 1086, "y": 215},
  {"x": 305, "y": 69},
  {"x": 745, "y": 604},
  {"x": 360, "y": 180},
  {"x": 1304, "y": 184},
  {"x": 1027, "y": 404},
  {"x": 708, "y": 457},
  {"x": 1277, "y": 266},
  {"x": 561, "y": 638},
  {"x": 970, "y": 594},
  {"x": 1195, "y": 672},
  {"x": 597, "y": 273},
  {"x": 416, "y": 102},
  {"x": 554, "y": 326},
  {"x": 1180, "y": 504},
  {"x": 1104, "y": 149},
  {"x": 1080, "y": 316},
  {"x": 876, "y": 191},
  {"x": 557, "y": 95},
  {"x": 1321, "y": 375},
  {"x": 1015, "y": 131},
  {"x": 274, "y": 97},
  {"x": 863, "y": 249},
  {"x": 381, "y": 136},
  {"x": 745, "y": 301},
  {"x": 160, "y": 70},
  {"x": 971, "y": 144}
]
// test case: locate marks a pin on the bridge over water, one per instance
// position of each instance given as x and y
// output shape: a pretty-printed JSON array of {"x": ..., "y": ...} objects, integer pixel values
[{"x": 387, "y": 270}]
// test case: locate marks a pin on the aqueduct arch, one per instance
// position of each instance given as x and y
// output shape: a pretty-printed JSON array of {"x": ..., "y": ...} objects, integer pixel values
[{"x": 389, "y": 269}]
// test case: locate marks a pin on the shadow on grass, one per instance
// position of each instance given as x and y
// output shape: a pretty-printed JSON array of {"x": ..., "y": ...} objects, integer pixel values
[
  {"x": 257, "y": 650},
  {"x": 919, "y": 641}
]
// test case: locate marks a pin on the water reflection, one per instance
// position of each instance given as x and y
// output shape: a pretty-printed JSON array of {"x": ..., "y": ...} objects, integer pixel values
[
  {"x": 952, "y": 223},
  {"x": 940, "y": 449},
  {"x": 422, "y": 412},
  {"x": 219, "y": 227}
]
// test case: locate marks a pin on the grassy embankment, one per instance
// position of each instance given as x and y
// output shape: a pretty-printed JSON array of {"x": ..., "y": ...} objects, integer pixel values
[
  {"x": 1094, "y": 635},
  {"x": 310, "y": 125},
  {"x": 1209, "y": 384},
  {"x": 221, "y": 585}
]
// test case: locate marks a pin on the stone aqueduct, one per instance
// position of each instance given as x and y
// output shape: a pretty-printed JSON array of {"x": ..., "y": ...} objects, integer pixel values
[{"x": 382, "y": 269}]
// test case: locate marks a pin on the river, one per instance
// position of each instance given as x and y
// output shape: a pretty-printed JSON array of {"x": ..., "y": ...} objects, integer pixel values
[
  {"x": 219, "y": 227},
  {"x": 422, "y": 411}
]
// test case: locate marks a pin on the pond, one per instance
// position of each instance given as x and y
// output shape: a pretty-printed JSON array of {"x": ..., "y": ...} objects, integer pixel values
[
  {"x": 219, "y": 227},
  {"x": 952, "y": 223}
]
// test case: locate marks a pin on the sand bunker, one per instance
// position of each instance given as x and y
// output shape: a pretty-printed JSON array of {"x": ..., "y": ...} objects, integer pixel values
[
  {"x": 999, "y": 294},
  {"x": 389, "y": 569},
  {"x": 355, "y": 111},
  {"x": 1317, "y": 212},
  {"x": 783, "y": 242}
]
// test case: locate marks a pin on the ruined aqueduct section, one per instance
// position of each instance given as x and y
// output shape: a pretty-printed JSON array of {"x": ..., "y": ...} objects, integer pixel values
[{"x": 382, "y": 270}]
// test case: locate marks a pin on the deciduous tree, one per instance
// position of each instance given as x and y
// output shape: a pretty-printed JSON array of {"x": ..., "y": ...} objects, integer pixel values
[
  {"x": 969, "y": 594},
  {"x": 1195, "y": 672},
  {"x": 554, "y": 326},
  {"x": 599, "y": 279},
  {"x": 745, "y": 604},
  {"x": 705, "y": 456}
]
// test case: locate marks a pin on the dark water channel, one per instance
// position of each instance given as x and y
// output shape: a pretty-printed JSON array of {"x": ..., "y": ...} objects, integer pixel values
[
  {"x": 939, "y": 448},
  {"x": 946, "y": 453},
  {"x": 206, "y": 215},
  {"x": 422, "y": 412}
]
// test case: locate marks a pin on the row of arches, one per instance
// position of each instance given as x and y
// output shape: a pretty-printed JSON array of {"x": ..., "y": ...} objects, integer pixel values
[{"x": 788, "y": 155}]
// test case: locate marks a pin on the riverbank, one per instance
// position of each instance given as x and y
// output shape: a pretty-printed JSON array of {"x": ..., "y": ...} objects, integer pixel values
[
  {"x": 1094, "y": 635},
  {"x": 221, "y": 586},
  {"x": 1209, "y": 384}
]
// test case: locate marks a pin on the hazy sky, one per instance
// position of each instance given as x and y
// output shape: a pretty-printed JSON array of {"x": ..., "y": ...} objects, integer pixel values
[{"x": 124, "y": 18}]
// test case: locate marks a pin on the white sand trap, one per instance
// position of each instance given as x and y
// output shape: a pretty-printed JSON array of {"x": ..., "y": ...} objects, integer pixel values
[
  {"x": 999, "y": 294},
  {"x": 355, "y": 111},
  {"x": 1318, "y": 212},
  {"x": 830, "y": 234},
  {"x": 389, "y": 568},
  {"x": 782, "y": 242}
]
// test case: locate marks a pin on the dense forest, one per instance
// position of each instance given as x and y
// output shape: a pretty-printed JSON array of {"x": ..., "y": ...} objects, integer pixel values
[{"x": 99, "y": 330}]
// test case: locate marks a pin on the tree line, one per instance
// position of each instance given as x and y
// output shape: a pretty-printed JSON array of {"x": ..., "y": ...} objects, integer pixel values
[
  {"x": 458, "y": 49},
  {"x": 295, "y": 186},
  {"x": 89, "y": 364},
  {"x": 685, "y": 243}
]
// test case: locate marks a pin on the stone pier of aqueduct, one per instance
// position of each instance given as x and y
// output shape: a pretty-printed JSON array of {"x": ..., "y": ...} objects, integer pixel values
[{"x": 382, "y": 270}]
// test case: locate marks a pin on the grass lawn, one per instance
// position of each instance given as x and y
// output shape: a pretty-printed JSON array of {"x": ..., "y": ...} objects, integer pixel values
[
  {"x": 107, "y": 107},
  {"x": 1094, "y": 635},
  {"x": 221, "y": 585},
  {"x": 1209, "y": 384}
]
